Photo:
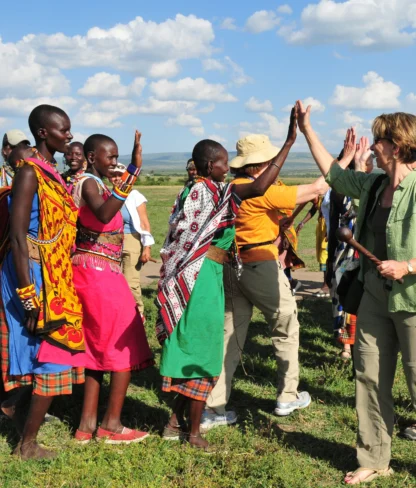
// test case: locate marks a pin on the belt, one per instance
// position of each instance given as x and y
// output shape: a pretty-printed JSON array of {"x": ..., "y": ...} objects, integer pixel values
[
  {"x": 247, "y": 247},
  {"x": 217, "y": 254}
]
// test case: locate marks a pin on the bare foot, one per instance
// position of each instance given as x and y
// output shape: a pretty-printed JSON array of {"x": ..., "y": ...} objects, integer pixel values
[
  {"x": 198, "y": 442},
  {"x": 32, "y": 450}
]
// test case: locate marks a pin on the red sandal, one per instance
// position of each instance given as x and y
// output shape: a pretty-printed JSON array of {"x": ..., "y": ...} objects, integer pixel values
[{"x": 126, "y": 436}]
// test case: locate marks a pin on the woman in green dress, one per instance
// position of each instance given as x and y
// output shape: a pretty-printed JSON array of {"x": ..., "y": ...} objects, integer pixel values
[{"x": 190, "y": 293}]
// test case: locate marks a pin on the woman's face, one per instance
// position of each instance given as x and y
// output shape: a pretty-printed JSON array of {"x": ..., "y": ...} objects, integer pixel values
[
  {"x": 58, "y": 133},
  {"x": 104, "y": 159},
  {"x": 75, "y": 157},
  {"x": 191, "y": 172},
  {"x": 220, "y": 168},
  {"x": 383, "y": 150}
]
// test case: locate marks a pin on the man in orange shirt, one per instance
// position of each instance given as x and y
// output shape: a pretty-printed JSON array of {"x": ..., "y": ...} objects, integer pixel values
[{"x": 262, "y": 284}]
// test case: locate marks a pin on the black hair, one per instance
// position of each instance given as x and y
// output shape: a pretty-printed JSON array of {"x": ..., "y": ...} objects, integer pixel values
[
  {"x": 205, "y": 151},
  {"x": 38, "y": 118},
  {"x": 79, "y": 144},
  {"x": 92, "y": 142}
]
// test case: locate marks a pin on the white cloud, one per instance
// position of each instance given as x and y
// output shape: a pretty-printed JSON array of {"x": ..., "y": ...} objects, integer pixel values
[
  {"x": 217, "y": 138},
  {"x": 212, "y": 65},
  {"x": 228, "y": 24},
  {"x": 154, "y": 106},
  {"x": 365, "y": 24},
  {"x": 21, "y": 107},
  {"x": 26, "y": 77},
  {"x": 376, "y": 94},
  {"x": 352, "y": 119},
  {"x": 164, "y": 69},
  {"x": 238, "y": 76},
  {"x": 315, "y": 104},
  {"x": 145, "y": 47},
  {"x": 321, "y": 122},
  {"x": 269, "y": 125},
  {"x": 411, "y": 98},
  {"x": 261, "y": 21},
  {"x": 255, "y": 105},
  {"x": 3, "y": 121},
  {"x": 106, "y": 113},
  {"x": 191, "y": 89},
  {"x": 106, "y": 85},
  {"x": 197, "y": 131},
  {"x": 185, "y": 120},
  {"x": 285, "y": 9},
  {"x": 79, "y": 137},
  {"x": 276, "y": 129}
]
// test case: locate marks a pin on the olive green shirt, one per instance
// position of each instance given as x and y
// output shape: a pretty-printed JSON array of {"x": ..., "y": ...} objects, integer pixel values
[{"x": 400, "y": 229}]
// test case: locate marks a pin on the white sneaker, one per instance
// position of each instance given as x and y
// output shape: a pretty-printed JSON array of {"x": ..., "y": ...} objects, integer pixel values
[
  {"x": 286, "y": 408},
  {"x": 211, "y": 420}
]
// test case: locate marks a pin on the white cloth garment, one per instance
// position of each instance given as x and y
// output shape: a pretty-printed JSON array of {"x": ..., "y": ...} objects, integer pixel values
[{"x": 134, "y": 200}]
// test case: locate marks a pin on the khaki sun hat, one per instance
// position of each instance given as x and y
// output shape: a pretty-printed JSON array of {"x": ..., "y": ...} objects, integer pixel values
[
  {"x": 253, "y": 149},
  {"x": 15, "y": 137}
]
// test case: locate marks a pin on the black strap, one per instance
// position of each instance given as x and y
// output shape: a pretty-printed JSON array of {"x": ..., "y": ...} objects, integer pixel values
[{"x": 246, "y": 247}]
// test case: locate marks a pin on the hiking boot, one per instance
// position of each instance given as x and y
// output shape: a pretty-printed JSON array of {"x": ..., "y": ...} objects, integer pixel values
[
  {"x": 410, "y": 433},
  {"x": 286, "y": 408}
]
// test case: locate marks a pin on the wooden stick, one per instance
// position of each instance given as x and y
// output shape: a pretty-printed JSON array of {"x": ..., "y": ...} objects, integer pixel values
[{"x": 344, "y": 234}]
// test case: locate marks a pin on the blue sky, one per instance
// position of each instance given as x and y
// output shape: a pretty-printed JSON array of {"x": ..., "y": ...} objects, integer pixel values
[{"x": 182, "y": 71}]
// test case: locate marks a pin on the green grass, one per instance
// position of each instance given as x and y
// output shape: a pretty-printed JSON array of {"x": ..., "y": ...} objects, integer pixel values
[{"x": 311, "y": 448}]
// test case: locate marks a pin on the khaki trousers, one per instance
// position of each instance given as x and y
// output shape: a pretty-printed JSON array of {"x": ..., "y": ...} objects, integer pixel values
[
  {"x": 132, "y": 250},
  {"x": 263, "y": 284},
  {"x": 380, "y": 336}
]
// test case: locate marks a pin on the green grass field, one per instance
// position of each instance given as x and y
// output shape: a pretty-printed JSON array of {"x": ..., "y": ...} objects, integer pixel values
[{"x": 311, "y": 448}]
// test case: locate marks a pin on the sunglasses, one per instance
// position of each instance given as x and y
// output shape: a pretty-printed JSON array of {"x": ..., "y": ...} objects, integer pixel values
[{"x": 378, "y": 139}]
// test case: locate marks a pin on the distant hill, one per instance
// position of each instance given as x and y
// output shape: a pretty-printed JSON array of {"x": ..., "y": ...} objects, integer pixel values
[{"x": 175, "y": 162}]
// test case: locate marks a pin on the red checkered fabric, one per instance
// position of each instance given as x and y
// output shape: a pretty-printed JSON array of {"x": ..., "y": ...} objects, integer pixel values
[
  {"x": 195, "y": 388},
  {"x": 51, "y": 384}
]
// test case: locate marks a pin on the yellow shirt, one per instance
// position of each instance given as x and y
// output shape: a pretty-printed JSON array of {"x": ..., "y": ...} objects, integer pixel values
[{"x": 257, "y": 220}]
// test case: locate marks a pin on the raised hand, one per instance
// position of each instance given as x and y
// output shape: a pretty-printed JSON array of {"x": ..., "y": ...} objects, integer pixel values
[
  {"x": 291, "y": 134},
  {"x": 136, "y": 156},
  {"x": 303, "y": 115},
  {"x": 363, "y": 157},
  {"x": 350, "y": 148}
]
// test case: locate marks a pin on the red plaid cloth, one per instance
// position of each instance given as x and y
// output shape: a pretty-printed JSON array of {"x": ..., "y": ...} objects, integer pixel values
[
  {"x": 195, "y": 388},
  {"x": 52, "y": 384},
  {"x": 347, "y": 333}
]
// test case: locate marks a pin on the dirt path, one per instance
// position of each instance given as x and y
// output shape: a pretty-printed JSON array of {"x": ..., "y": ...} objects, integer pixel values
[{"x": 311, "y": 280}]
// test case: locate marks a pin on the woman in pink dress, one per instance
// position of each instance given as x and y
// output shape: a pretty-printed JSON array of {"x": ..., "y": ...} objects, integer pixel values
[{"x": 114, "y": 334}]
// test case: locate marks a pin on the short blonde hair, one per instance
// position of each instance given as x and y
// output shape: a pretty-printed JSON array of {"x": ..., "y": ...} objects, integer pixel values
[
  {"x": 253, "y": 169},
  {"x": 400, "y": 129}
]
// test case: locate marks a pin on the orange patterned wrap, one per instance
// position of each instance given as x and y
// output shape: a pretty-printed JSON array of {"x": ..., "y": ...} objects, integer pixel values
[{"x": 60, "y": 317}]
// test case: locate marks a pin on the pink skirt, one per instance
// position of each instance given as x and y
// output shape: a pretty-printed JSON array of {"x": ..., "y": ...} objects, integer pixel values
[{"x": 115, "y": 339}]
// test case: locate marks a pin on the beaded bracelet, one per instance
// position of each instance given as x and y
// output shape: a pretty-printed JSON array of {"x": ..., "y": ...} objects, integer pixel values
[
  {"x": 26, "y": 292},
  {"x": 30, "y": 303},
  {"x": 133, "y": 170},
  {"x": 28, "y": 297},
  {"x": 120, "y": 193},
  {"x": 114, "y": 194}
]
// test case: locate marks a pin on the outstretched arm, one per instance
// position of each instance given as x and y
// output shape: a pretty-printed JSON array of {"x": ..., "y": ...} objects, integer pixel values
[
  {"x": 268, "y": 177},
  {"x": 322, "y": 157}
]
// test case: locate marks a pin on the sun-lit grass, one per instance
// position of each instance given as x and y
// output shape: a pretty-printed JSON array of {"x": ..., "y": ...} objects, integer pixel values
[{"x": 311, "y": 448}]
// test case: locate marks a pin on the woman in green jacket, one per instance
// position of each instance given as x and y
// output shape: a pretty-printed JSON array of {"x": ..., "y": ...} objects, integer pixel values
[{"x": 387, "y": 314}]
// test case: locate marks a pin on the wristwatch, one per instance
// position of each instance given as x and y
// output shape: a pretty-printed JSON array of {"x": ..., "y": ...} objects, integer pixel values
[{"x": 410, "y": 269}]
